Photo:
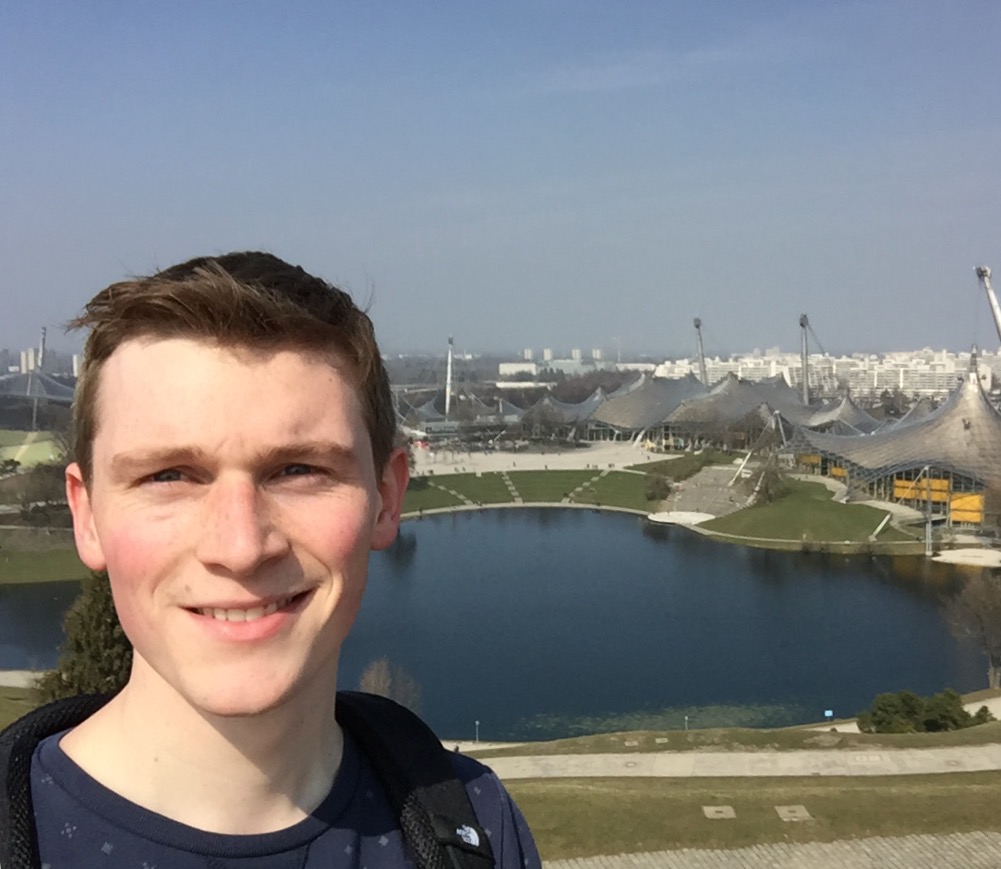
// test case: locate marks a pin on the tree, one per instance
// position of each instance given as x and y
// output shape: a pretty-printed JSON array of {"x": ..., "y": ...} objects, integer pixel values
[
  {"x": 392, "y": 681},
  {"x": 976, "y": 613},
  {"x": 96, "y": 656}
]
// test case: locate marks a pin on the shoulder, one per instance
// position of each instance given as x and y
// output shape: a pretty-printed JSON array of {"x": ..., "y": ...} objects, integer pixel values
[{"x": 498, "y": 814}]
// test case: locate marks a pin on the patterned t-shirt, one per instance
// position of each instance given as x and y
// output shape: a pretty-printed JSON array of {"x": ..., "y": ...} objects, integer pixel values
[{"x": 81, "y": 823}]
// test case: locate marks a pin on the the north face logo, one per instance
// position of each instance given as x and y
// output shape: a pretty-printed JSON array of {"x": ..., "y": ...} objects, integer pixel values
[{"x": 468, "y": 835}]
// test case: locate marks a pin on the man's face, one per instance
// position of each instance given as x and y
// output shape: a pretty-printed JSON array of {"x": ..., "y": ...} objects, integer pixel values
[{"x": 233, "y": 502}]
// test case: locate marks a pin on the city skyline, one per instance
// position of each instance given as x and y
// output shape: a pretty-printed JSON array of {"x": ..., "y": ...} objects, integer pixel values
[{"x": 564, "y": 174}]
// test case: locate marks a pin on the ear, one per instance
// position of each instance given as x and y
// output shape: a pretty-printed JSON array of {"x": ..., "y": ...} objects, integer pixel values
[
  {"x": 392, "y": 488},
  {"x": 88, "y": 544}
]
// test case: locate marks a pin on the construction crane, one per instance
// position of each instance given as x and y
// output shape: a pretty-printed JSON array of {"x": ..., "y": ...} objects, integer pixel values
[{"x": 984, "y": 273}]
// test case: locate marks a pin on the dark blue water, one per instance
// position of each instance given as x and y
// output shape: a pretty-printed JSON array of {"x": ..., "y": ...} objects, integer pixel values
[
  {"x": 542, "y": 623},
  {"x": 545, "y": 623},
  {"x": 31, "y": 623}
]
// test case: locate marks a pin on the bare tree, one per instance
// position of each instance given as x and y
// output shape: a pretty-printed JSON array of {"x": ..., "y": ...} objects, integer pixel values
[
  {"x": 392, "y": 681},
  {"x": 976, "y": 612}
]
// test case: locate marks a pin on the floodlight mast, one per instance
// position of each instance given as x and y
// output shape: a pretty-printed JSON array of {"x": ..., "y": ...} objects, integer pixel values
[
  {"x": 702, "y": 352},
  {"x": 984, "y": 274},
  {"x": 804, "y": 324},
  {"x": 448, "y": 379}
]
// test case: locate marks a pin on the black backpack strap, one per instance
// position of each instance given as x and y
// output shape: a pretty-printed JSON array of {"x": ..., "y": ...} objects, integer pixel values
[
  {"x": 18, "y": 841},
  {"x": 419, "y": 778}
]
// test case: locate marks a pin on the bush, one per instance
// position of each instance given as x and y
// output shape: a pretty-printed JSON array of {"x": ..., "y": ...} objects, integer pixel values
[
  {"x": 906, "y": 712},
  {"x": 96, "y": 656},
  {"x": 658, "y": 487}
]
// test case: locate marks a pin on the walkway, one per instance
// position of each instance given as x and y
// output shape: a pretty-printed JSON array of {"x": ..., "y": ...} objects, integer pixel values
[
  {"x": 712, "y": 764},
  {"x": 600, "y": 456},
  {"x": 708, "y": 492}
]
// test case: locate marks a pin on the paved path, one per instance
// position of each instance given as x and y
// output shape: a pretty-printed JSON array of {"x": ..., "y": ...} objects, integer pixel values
[
  {"x": 965, "y": 850},
  {"x": 713, "y": 764},
  {"x": 17, "y": 678},
  {"x": 601, "y": 456}
]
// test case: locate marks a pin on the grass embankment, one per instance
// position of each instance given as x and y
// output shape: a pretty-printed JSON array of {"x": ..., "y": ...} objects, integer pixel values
[
  {"x": 685, "y": 465},
  {"x": 14, "y": 702},
  {"x": 41, "y": 566},
  {"x": 805, "y": 514},
  {"x": 587, "y": 817},
  {"x": 38, "y": 555},
  {"x": 613, "y": 489},
  {"x": 747, "y": 739},
  {"x": 28, "y": 447}
]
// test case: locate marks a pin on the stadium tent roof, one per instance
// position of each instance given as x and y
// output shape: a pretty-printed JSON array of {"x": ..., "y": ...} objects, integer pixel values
[
  {"x": 921, "y": 408},
  {"x": 962, "y": 435},
  {"x": 845, "y": 414},
  {"x": 570, "y": 413},
  {"x": 34, "y": 384},
  {"x": 648, "y": 403},
  {"x": 508, "y": 409},
  {"x": 733, "y": 400}
]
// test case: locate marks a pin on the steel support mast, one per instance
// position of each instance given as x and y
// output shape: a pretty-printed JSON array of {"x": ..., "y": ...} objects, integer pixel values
[
  {"x": 701, "y": 352},
  {"x": 984, "y": 274},
  {"x": 804, "y": 324}
]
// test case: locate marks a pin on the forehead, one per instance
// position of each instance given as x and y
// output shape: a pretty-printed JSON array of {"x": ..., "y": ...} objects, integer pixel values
[{"x": 184, "y": 381}]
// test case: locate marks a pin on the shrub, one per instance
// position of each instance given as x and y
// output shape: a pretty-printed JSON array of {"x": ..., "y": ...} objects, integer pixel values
[
  {"x": 906, "y": 712},
  {"x": 658, "y": 487}
]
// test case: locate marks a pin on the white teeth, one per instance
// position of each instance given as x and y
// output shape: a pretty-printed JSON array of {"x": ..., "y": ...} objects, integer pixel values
[{"x": 248, "y": 615}]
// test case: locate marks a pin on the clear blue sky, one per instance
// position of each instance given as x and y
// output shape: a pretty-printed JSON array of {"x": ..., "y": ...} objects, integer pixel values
[{"x": 519, "y": 174}]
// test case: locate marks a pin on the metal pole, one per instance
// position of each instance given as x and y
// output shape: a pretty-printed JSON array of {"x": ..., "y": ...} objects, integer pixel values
[
  {"x": 804, "y": 324},
  {"x": 928, "y": 539},
  {"x": 477, "y": 730},
  {"x": 701, "y": 352}
]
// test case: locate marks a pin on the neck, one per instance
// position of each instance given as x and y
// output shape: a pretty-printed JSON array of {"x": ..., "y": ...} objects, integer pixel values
[{"x": 233, "y": 774}]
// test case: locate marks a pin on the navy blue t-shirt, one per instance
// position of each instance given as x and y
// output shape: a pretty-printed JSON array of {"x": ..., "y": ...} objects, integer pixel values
[{"x": 81, "y": 823}]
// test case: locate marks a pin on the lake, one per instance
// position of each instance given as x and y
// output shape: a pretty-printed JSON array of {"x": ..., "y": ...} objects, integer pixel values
[{"x": 541, "y": 623}]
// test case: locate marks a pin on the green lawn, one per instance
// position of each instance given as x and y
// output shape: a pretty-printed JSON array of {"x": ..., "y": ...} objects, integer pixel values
[
  {"x": 618, "y": 489},
  {"x": 14, "y": 702},
  {"x": 19, "y": 566},
  {"x": 615, "y": 489},
  {"x": 14, "y": 437},
  {"x": 484, "y": 489},
  {"x": 426, "y": 497},
  {"x": 588, "y": 817},
  {"x": 807, "y": 511},
  {"x": 41, "y": 447},
  {"x": 548, "y": 486}
]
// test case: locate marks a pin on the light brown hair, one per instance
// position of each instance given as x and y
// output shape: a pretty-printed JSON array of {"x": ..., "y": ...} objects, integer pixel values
[{"x": 253, "y": 300}]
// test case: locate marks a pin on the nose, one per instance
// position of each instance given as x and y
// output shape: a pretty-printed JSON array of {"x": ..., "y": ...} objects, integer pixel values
[{"x": 237, "y": 531}]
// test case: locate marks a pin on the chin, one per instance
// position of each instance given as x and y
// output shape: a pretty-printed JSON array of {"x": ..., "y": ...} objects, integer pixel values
[{"x": 249, "y": 704}]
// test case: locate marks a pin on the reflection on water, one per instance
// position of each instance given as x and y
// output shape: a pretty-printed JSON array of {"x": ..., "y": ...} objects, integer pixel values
[
  {"x": 31, "y": 623},
  {"x": 674, "y": 718},
  {"x": 540, "y": 623}
]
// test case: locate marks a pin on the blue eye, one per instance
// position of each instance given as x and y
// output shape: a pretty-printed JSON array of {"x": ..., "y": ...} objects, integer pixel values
[
  {"x": 170, "y": 475},
  {"x": 298, "y": 470}
]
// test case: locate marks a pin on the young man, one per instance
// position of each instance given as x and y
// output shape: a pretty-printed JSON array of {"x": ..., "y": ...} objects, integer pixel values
[{"x": 235, "y": 466}]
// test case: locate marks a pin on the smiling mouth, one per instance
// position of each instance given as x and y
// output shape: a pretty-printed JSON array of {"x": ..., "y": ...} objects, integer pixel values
[{"x": 248, "y": 615}]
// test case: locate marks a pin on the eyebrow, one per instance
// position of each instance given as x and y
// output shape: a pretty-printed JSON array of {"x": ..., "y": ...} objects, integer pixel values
[{"x": 127, "y": 464}]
